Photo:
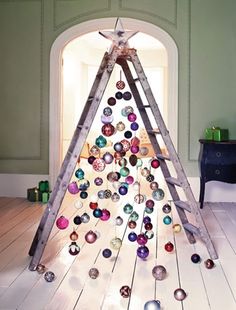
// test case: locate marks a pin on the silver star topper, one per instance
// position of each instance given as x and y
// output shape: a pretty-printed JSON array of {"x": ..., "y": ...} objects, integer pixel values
[{"x": 119, "y": 36}]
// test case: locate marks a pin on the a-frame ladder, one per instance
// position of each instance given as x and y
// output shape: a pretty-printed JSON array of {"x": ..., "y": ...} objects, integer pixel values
[{"x": 122, "y": 56}]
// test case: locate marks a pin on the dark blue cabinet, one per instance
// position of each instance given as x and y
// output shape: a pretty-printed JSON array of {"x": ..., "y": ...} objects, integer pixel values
[{"x": 217, "y": 161}]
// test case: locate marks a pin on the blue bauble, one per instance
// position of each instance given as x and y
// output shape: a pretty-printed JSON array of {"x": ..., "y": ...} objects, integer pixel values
[
  {"x": 143, "y": 251},
  {"x": 97, "y": 213},
  {"x": 79, "y": 173},
  {"x": 195, "y": 258},
  {"x": 132, "y": 236},
  {"x": 134, "y": 126},
  {"x": 123, "y": 190},
  {"x": 152, "y": 305},
  {"x": 146, "y": 220},
  {"x": 106, "y": 253},
  {"x": 167, "y": 220}
]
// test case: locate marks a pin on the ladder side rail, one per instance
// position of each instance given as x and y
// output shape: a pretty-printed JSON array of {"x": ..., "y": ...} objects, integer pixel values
[
  {"x": 154, "y": 142},
  {"x": 71, "y": 157}
]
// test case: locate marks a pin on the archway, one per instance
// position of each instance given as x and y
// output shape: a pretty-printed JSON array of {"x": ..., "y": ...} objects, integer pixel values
[{"x": 56, "y": 78}]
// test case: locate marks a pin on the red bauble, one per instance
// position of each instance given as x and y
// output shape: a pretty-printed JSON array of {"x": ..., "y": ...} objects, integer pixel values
[
  {"x": 132, "y": 224},
  {"x": 155, "y": 163},
  {"x": 120, "y": 85},
  {"x": 148, "y": 226},
  {"x": 93, "y": 205},
  {"x": 169, "y": 247}
]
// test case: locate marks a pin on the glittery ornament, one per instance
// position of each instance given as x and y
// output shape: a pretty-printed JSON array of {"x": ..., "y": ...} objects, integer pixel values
[
  {"x": 118, "y": 221},
  {"x": 142, "y": 239},
  {"x": 90, "y": 237},
  {"x": 132, "y": 236},
  {"x": 166, "y": 208},
  {"x": 97, "y": 213},
  {"x": 73, "y": 188},
  {"x": 209, "y": 264},
  {"x": 108, "y": 130},
  {"x": 155, "y": 163},
  {"x": 118, "y": 95},
  {"x": 106, "y": 253},
  {"x": 101, "y": 141},
  {"x": 120, "y": 84},
  {"x": 85, "y": 218},
  {"x": 120, "y": 126},
  {"x": 139, "y": 198},
  {"x": 125, "y": 291},
  {"x": 116, "y": 243},
  {"x": 154, "y": 186},
  {"x": 152, "y": 305},
  {"x": 41, "y": 268},
  {"x": 143, "y": 251},
  {"x": 126, "y": 145},
  {"x": 177, "y": 228},
  {"x": 128, "y": 208},
  {"x": 49, "y": 276},
  {"x": 111, "y": 101},
  {"x": 195, "y": 258},
  {"x": 158, "y": 194},
  {"x": 134, "y": 126},
  {"x": 159, "y": 272},
  {"x": 107, "y": 119},
  {"x": 132, "y": 224},
  {"x": 98, "y": 181},
  {"x": 74, "y": 249},
  {"x": 167, "y": 220},
  {"x": 179, "y": 294},
  {"x": 169, "y": 247},
  {"x": 77, "y": 220},
  {"x": 127, "y": 95},
  {"x": 134, "y": 216},
  {"x": 74, "y": 236},
  {"x": 93, "y": 273},
  {"x": 62, "y": 222},
  {"x": 79, "y": 173},
  {"x": 107, "y": 111},
  {"x": 99, "y": 165}
]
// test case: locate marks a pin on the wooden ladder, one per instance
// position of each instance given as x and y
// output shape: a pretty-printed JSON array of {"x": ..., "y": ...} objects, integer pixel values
[{"x": 122, "y": 56}]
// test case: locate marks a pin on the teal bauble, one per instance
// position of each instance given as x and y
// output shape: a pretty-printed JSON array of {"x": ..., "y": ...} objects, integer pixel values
[
  {"x": 79, "y": 173},
  {"x": 124, "y": 171},
  {"x": 158, "y": 194},
  {"x": 149, "y": 210},
  {"x": 134, "y": 216},
  {"x": 167, "y": 220},
  {"x": 128, "y": 208},
  {"x": 101, "y": 141}
]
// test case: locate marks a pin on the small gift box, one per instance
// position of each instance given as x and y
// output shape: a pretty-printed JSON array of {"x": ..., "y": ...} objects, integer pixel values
[
  {"x": 43, "y": 186},
  {"x": 33, "y": 194},
  {"x": 45, "y": 197},
  {"x": 216, "y": 134}
]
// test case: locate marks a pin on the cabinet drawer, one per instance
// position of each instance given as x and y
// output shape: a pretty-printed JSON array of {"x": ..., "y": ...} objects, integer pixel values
[
  {"x": 223, "y": 154},
  {"x": 226, "y": 173}
]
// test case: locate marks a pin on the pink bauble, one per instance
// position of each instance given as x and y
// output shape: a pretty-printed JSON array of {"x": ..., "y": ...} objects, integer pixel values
[
  {"x": 134, "y": 149},
  {"x": 129, "y": 179},
  {"x": 99, "y": 164},
  {"x": 90, "y": 236},
  {"x": 155, "y": 163},
  {"x": 73, "y": 188},
  {"x": 132, "y": 117},
  {"x": 62, "y": 222},
  {"x": 105, "y": 215},
  {"x": 142, "y": 239}
]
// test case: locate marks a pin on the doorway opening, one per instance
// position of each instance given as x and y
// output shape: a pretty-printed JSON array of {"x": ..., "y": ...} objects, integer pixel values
[{"x": 75, "y": 58}]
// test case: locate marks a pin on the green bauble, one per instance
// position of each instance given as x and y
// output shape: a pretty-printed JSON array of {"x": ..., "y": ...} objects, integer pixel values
[
  {"x": 134, "y": 216},
  {"x": 124, "y": 171},
  {"x": 128, "y": 209},
  {"x": 101, "y": 141}
]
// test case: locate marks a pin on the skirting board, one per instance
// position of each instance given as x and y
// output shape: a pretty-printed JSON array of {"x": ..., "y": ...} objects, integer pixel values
[{"x": 15, "y": 185}]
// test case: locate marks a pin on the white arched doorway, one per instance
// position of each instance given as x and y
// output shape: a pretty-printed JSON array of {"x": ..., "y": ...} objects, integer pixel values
[{"x": 56, "y": 78}]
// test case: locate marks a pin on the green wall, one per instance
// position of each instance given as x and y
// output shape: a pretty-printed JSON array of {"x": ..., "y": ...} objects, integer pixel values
[{"x": 204, "y": 31}]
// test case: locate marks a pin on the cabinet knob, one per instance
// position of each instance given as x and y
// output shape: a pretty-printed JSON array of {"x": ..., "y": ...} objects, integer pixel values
[
  {"x": 218, "y": 154},
  {"x": 217, "y": 171}
]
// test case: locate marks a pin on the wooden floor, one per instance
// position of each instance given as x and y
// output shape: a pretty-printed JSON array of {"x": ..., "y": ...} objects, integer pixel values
[{"x": 20, "y": 288}]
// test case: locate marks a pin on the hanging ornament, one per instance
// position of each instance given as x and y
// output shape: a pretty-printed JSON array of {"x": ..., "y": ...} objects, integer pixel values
[
  {"x": 107, "y": 119},
  {"x": 79, "y": 173},
  {"x": 98, "y": 181},
  {"x": 106, "y": 253},
  {"x": 134, "y": 126},
  {"x": 125, "y": 291},
  {"x": 83, "y": 195},
  {"x": 99, "y": 165},
  {"x": 118, "y": 95},
  {"x": 167, "y": 220},
  {"x": 155, "y": 163},
  {"x": 74, "y": 236},
  {"x": 149, "y": 210},
  {"x": 150, "y": 203},
  {"x": 159, "y": 272},
  {"x": 143, "y": 151},
  {"x": 115, "y": 197},
  {"x": 135, "y": 141},
  {"x": 107, "y": 193},
  {"x": 132, "y": 224},
  {"x": 128, "y": 134},
  {"x": 49, "y": 276},
  {"x": 150, "y": 178},
  {"x": 122, "y": 162},
  {"x": 93, "y": 273},
  {"x": 127, "y": 110},
  {"x": 120, "y": 126},
  {"x": 142, "y": 239},
  {"x": 111, "y": 101},
  {"x": 195, "y": 258},
  {"x": 127, "y": 95},
  {"x": 112, "y": 176},
  {"x": 118, "y": 147},
  {"x": 83, "y": 184},
  {"x": 93, "y": 205},
  {"x": 108, "y": 158},
  {"x": 134, "y": 149},
  {"x": 128, "y": 208},
  {"x": 62, "y": 222},
  {"x": 146, "y": 219},
  {"x": 139, "y": 163},
  {"x": 129, "y": 179},
  {"x": 179, "y": 294},
  {"x": 145, "y": 172},
  {"x": 77, "y": 220},
  {"x": 124, "y": 171},
  {"x": 118, "y": 221},
  {"x": 132, "y": 117},
  {"x": 90, "y": 237},
  {"x": 149, "y": 234},
  {"x": 85, "y": 218},
  {"x": 169, "y": 247},
  {"x": 41, "y": 268},
  {"x": 97, "y": 213},
  {"x": 73, "y": 188},
  {"x": 101, "y": 141},
  {"x": 108, "y": 130},
  {"x": 177, "y": 228},
  {"x": 91, "y": 159},
  {"x": 136, "y": 186},
  {"x": 166, "y": 208},
  {"x": 134, "y": 216},
  {"x": 107, "y": 111},
  {"x": 132, "y": 236},
  {"x": 123, "y": 190},
  {"x": 152, "y": 305},
  {"x": 139, "y": 198},
  {"x": 158, "y": 194},
  {"x": 143, "y": 251},
  {"x": 116, "y": 243},
  {"x": 154, "y": 185},
  {"x": 94, "y": 150},
  {"x": 105, "y": 215},
  {"x": 133, "y": 160},
  {"x": 116, "y": 185},
  {"x": 209, "y": 264},
  {"x": 126, "y": 145},
  {"x": 74, "y": 249},
  {"x": 148, "y": 226}
]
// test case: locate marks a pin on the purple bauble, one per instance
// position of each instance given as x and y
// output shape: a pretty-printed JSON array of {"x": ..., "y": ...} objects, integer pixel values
[
  {"x": 142, "y": 239},
  {"x": 98, "y": 181},
  {"x": 107, "y": 119},
  {"x": 90, "y": 237},
  {"x": 123, "y": 190},
  {"x": 132, "y": 117},
  {"x": 150, "y": 203},
  {"x": 73, "y": 188},
  {"x": 129, "y": 179},
  {"x": 146, "y": 219},
  {"x": 132, "y": 236},
  {"x": 143, "y": 252},
  {"x": 91, "y": 159},
  {"x": 134, "y": 149},
  {"x": 108, "y": 158},
  {"x": 134, "y": 126}
]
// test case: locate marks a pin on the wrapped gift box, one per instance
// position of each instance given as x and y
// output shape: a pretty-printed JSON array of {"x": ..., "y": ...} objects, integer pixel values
[
  {"x": 216, "y": 134},
  {"x": 33, "y": 194},
  {"x": 43, "y": 186},
  {"x": 45, "y": 197}
]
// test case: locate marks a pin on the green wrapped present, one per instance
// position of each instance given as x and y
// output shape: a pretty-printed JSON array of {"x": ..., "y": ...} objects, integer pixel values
[
  {"x": 216, "y": 134},
  {"x": 33, "y": 194},
  {"x": 43, "y": 186},
  {"x": 45, "y": 197}
]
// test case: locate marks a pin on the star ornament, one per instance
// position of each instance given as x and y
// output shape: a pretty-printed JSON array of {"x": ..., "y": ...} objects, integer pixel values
[{"x": 119, "y": 36}]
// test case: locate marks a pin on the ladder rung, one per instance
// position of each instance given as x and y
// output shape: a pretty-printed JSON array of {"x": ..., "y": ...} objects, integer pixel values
[
  {"x": 191, "y": 228},
  {"x": 136, "y": 79},
  {"x": 79, "y": 126},
  {"x": 144, "y": 107},
  {"x": 153, "y": 131},
  {"x": 173, "y": 181},
  {"x": 161, "y": 156},
  {"x": 183, "y": 205},
  {"x": 90, "y": 99}
]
